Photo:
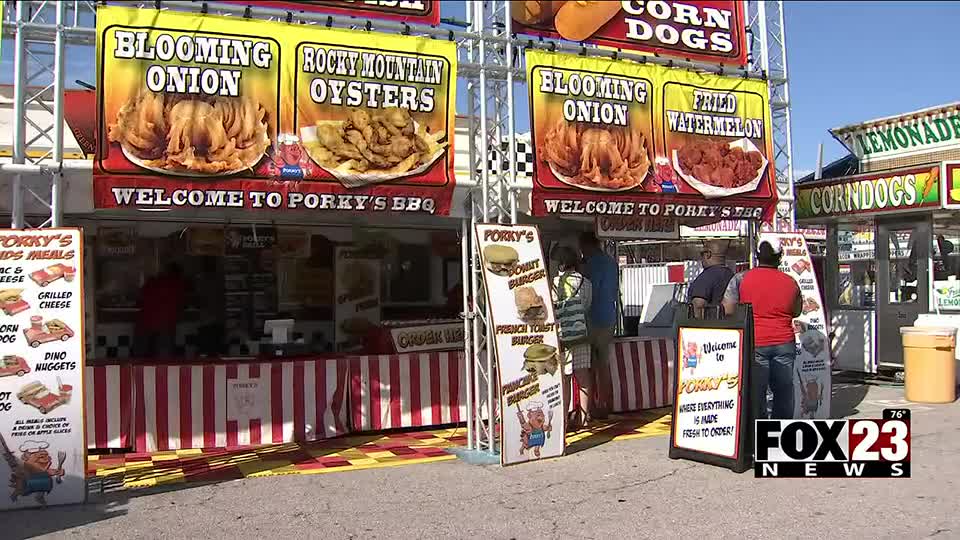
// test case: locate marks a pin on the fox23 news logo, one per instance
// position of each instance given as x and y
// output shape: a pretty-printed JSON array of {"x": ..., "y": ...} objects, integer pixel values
[{"x": 855, "y": 448}]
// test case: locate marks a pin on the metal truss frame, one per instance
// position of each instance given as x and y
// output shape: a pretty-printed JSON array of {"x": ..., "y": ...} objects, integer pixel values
[
  {"x": 768, "y": 53},
  {"x": 490, "y": 64}
]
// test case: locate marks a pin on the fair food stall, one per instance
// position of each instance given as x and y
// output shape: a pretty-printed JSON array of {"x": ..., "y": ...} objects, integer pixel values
[
  {"x": 308, "y": 179},
  {"x": 891, "y": 234}
]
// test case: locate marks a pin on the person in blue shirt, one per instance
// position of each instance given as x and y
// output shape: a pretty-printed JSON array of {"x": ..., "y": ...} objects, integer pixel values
[{"x": 604, "y": 276}]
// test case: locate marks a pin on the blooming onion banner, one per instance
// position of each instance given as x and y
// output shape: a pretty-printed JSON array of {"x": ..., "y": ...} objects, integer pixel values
[
  {"x": 620, "y": 138},
  {"x": 204, "y": 111}
]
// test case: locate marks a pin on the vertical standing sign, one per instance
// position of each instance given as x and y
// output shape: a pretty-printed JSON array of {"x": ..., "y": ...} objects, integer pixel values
[
  {"x": 812, "y": 368},
  {"x": 357, "y": 297},
  {"x": 525, "y": 336},
  {"x": 41, "y": 368},
  {"x": 711, "y": 407}
]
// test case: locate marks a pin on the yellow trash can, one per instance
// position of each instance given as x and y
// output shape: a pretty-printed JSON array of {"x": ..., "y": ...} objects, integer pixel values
[{"x": 929, "y": 365}]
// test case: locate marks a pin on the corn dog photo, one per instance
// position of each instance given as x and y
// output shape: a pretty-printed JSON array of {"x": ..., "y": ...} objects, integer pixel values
[{"x": 577, "y": 21}]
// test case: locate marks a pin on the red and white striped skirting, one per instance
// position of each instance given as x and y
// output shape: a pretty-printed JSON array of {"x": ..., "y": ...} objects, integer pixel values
[
  {"x": 407, "y": 390},
  {"x": 642, "y": 373},
  {"x": 185, "y": 406},
  {"x": 108, "y": 404}
]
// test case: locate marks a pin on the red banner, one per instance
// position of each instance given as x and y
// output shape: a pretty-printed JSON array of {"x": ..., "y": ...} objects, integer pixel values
[
  {"x": 706, "y": 30},
  {"x": 625, "y": 139},
  {"x": 415, "y": 11},
  {"x": 206, "y": 111}
]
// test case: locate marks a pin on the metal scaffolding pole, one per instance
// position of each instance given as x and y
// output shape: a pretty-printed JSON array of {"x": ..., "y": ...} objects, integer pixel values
[{"x": 768, "y": 52}]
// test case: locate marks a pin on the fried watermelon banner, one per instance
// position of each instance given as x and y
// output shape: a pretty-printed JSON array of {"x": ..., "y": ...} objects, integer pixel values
[
  {"x": 204, "y": 111},
  {"x": 620, "y": 138}
]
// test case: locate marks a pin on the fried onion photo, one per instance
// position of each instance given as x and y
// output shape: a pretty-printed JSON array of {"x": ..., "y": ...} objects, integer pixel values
[
  {"x": 188, "y": 135},
  {"x": 596, "y": 158},
  {"x": 372, "y": 146}
]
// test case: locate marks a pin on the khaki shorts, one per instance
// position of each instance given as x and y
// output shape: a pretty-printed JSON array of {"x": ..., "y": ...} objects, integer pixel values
[{"x": 600, "y": 340}]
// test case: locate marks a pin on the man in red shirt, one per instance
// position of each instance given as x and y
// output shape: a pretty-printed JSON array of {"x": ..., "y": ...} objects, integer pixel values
[
  {"x": 161, "y": 301},
  {"x": 776, "y": 301}
]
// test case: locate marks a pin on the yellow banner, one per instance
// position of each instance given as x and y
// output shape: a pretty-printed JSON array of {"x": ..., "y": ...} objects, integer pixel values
[
  {"x": 621, "y": 138},
  {"x": 191, "y": 104}
]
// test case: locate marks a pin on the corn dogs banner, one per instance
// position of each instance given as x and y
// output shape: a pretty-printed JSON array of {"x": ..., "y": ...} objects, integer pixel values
[
  {"x": 705, "y": 30},
  {"x": 624, "y": 139},
  {"x": 415, "y": 11},
  {"x": 203, "y": 111},
  {"x": 902, "y": 190}
]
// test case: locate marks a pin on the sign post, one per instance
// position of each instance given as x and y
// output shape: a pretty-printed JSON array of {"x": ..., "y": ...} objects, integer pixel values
[
  {"x": 711, "y": 407},
  {"x": 41, "y": 368}
]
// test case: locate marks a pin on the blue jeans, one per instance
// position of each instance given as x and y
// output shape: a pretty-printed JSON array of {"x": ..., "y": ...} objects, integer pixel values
[{"x": 773, "y": 367}]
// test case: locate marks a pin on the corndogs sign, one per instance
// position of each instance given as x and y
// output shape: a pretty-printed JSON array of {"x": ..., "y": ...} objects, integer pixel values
[
  {"x": 711, "y": 30},
  {"x": 213, "y": 112},
  {"x": 903, "y": 190},
  {"x": 525, "y": 337},
  {"x": 624, "y": 139},
  {"x": 415, "y": 11}
]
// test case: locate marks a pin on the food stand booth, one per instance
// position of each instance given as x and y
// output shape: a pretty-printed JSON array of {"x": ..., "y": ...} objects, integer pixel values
[
  {"x": 288, "y": 202},
  {"x": 891, "y": 233}
]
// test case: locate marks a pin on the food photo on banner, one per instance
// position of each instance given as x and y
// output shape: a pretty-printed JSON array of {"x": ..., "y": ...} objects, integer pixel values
[
  {"x": 619, "y": 138},
  {"x": 711, "y": 30},
  {"x": 211, "y": 112},
  {"x": 411, "y": 11},
  {"x": 525, "y": 337},
  {"x": 41, "y": 369}
]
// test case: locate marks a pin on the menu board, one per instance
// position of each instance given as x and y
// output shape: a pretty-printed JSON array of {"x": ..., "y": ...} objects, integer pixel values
[
  {"x": 356, "y": 297},
  {"x": 708, "y": 391},
  {"x": 624, "y": 139},
  {"x": 229, "y": 112},
  {"x": 41, "y": 368},
  {"x": 250, "y": 283},
  {"x": 525, "y": 337},
  {"x": 812, "y": 367}
]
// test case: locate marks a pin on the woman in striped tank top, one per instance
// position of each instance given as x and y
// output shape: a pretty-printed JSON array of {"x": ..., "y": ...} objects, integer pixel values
[{"x": 572, "y": 295}]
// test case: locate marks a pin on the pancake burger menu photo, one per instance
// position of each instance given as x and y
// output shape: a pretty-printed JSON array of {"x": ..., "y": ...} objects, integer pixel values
[
  {"x": 525, "y": 337},
  {"x": 41, "y": 368}
]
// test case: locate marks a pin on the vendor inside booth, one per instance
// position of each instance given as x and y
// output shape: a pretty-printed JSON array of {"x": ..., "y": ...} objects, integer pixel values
[{"x": 891, "y": 237}]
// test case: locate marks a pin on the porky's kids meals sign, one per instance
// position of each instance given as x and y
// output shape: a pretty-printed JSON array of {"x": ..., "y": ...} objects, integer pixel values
[{"x": 41, "y": 369}]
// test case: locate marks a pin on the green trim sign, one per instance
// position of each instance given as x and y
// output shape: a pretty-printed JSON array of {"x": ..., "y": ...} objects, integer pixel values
[
  {"x": 910, "y": 134},
  {"x": 894, "y": 191}
]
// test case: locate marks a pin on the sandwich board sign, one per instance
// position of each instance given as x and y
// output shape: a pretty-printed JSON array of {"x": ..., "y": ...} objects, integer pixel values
[
  {"x": 41, "y": 368},
  {"x": 711, "y": 406},
  {"x": 525, "y": 339}
]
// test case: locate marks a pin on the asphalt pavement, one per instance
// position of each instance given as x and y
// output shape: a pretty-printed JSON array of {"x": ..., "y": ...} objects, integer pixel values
[{"x": 622, "y": 489}]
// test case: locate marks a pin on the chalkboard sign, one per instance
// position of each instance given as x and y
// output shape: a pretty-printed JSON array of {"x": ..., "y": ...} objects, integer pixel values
[{"x": 711, "y": 409}]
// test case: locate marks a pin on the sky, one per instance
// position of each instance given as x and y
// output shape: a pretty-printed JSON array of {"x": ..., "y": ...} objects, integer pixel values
[{"x": 848, "y": 62}]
